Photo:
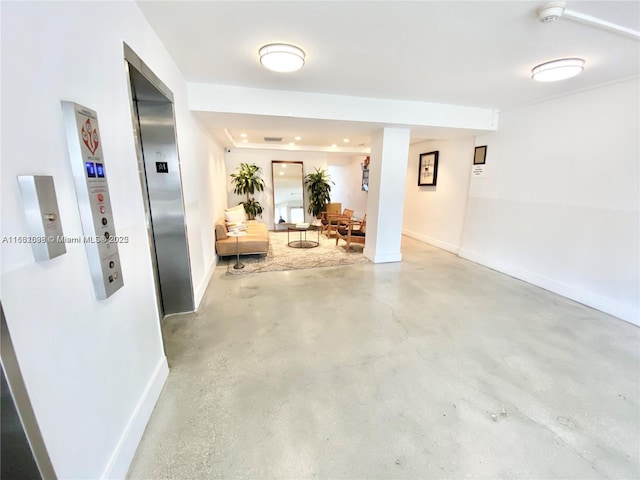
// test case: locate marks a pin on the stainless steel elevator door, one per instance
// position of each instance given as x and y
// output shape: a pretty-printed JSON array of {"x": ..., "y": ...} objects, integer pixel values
[{"x": 164, "y": 193}]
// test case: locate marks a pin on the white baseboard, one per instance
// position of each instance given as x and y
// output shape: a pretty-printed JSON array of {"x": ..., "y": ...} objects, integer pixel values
[
  {"x": 130, "y": 439},
  {"x": 625, "y": 312},
  {"x": 383, "y": 257},
  {"x": 202, "y": 288},
  {"x": 449, "y": 247}
]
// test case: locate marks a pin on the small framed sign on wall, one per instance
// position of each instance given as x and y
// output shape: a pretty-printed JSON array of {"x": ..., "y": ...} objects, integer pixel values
[
  {"x": 428, "y": 169},
  {"x": 480, "y": 155}
]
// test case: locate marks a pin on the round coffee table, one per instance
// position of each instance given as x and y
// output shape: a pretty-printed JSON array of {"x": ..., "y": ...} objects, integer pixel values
[{"x": 302, "y": 242}]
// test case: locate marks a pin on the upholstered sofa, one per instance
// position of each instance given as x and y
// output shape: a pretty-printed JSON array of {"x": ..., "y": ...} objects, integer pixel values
[{"x": 256, "y": 241}]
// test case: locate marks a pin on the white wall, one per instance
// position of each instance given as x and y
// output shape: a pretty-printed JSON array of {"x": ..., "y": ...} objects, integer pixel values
[
  {"x": 263, "y": 159},
  {"x": 558, "y": 205},
  {"x": 93, "y": 369},
  {"x": 346, "y": 172},
  {"x": 436, "y": 215},
  {"x": 205, "y": 198}
]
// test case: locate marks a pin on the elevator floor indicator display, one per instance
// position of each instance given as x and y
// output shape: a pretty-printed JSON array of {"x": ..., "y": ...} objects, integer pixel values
[
  {"x": 94, "y": 202},
  {"x": 91, "y": 169}
]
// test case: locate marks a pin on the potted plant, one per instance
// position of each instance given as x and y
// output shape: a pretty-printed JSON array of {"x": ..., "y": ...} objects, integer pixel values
[
  {"x": 253, "y": 208},
  {"x": 246, "y": 181},
  {"x": 318, "y": 185}
]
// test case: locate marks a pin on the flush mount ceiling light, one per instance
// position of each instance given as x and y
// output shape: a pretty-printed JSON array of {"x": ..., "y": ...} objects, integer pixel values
[
  {"x": 281, "y": 57},
  {"x": 558, "y": 69}
]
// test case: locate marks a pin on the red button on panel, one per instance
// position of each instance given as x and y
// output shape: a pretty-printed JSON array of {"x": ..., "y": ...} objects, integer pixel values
[{"x": 100, "y": 197}]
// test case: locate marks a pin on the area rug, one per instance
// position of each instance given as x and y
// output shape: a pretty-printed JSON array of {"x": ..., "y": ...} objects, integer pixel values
[{"x": 282, "y": 257}]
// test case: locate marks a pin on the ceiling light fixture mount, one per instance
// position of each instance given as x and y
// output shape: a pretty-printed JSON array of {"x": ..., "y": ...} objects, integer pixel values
[
  {"x": 281, "y": 57},
  {"x": 558, "y": 69}
]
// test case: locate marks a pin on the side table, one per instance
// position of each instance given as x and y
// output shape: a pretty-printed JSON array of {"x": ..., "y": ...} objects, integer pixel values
[{"x": 238, "y": 265}]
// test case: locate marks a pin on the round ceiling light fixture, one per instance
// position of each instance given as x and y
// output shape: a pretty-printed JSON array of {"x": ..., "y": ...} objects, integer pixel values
[
  {"x": 281, "y": 57},
  {"x": 558, "y": 69}
]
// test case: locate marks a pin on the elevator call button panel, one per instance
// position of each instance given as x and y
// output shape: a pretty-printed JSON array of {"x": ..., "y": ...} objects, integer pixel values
[
  {"x": 90, "y": 173},
  {"x": 42, "y": 215}
]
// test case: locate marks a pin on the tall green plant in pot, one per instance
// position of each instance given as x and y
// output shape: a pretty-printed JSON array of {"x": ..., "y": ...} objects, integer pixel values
[
  {"x": 318, "y": 186},
  {"x": 246, "y": 181}
]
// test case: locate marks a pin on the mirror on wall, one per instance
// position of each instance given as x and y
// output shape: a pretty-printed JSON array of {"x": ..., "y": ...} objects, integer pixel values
[{"x": 288, "y": 190}]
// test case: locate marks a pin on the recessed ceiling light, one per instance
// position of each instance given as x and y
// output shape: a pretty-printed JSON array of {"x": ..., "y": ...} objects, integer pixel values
[
  {"x": 334, "y": 145},
  {"x": 243, "y": 135},
  {"x": 245, "y": 141},
  {"x": 298, "y": 138},
  {"x": 281, "y": 57},
  {"x": 283, "y": 165},
  {"x": 346, "y": 140},
  {"x": 558, "y": 69},
  {"x": 281, "y": 173}
]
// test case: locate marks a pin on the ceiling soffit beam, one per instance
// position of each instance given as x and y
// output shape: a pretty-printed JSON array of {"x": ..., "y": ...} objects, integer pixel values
[
  {"x": 254, "y": 101},
  {"x": 303, "y": 148}
]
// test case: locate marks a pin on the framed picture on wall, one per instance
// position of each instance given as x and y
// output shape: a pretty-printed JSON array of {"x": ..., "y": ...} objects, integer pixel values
[
  {"x": 480, "y": 155},
  {"x": 428, "y": 169},
  {"x": 365, "y": 179}
]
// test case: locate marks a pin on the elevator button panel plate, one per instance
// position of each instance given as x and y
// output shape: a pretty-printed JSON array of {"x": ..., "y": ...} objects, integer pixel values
[{"x": 92, "y": 190}]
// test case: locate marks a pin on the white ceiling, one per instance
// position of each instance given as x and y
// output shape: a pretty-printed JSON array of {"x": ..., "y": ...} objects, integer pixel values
[{"x": 474, "y": 53}]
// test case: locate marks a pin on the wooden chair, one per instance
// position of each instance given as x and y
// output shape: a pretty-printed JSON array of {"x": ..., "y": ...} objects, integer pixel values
[
  {"x": 330, "y": 220},
  {"x": 352, "y": 231},
  {"x": 329, "y": 209},
  {"x": 333, "y": 207}
]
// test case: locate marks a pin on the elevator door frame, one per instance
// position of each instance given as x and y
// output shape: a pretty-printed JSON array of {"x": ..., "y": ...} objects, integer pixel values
[
  {"x": 132, "y": 60},
  {"x": 23, "y": 407}
]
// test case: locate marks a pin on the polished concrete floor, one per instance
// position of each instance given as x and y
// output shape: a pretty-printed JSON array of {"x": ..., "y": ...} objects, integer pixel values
[{"x": 434, "y": 367}]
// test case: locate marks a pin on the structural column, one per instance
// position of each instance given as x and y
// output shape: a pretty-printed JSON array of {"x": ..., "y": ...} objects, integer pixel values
[{"x": 387, "y": 184}]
